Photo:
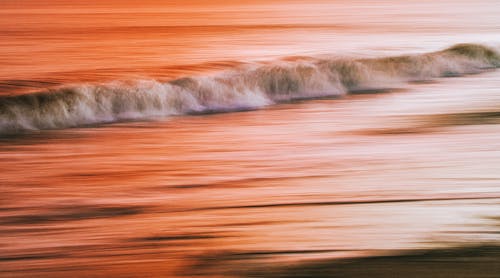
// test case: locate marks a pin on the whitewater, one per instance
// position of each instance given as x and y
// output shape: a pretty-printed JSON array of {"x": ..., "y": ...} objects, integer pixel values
[{"x": 249, "y": 87}]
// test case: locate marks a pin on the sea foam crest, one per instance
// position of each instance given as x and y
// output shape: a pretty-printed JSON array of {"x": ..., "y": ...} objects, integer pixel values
[{"x": 248, "y": 87}]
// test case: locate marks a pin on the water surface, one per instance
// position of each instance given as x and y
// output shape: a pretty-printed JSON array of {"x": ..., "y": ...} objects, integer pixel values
[{"x": 393, "y": 155}]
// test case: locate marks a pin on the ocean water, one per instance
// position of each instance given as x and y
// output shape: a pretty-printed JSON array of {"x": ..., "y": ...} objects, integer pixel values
[{"x": 169, "y": 138}]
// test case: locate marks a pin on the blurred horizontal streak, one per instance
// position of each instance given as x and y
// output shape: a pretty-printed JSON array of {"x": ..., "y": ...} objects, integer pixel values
[{"x": 353, "y": 202}]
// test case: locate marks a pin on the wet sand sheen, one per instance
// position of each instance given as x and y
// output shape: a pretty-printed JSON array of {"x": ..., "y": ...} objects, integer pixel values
[
  {"x": 175, "y": 203},
  {"x": 364, "y": 166}
]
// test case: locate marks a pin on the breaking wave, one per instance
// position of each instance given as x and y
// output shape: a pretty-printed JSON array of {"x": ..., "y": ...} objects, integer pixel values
[{"x": 248, "y": 87}]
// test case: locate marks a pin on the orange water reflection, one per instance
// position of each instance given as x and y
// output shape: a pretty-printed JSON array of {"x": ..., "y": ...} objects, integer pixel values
[
  {"x": 50, "y": 43},
  {"x": 208, "y": 193},
  {"x": 218, "y": 194}
]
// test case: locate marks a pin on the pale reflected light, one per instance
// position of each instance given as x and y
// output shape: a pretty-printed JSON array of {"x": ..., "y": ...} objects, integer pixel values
[{"x": 249, "y": 139}]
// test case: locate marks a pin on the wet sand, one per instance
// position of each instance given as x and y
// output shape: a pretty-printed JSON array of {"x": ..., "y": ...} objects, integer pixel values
[
  {"x": 286, "y": 185},
  {"x": 480, "y": 261}
]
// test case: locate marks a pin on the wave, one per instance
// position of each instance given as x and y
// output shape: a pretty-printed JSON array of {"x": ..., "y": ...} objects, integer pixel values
[{"x": 246, "y": 87}]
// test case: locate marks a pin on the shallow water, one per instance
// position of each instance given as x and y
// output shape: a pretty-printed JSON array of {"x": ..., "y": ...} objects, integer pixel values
[
  {"x": 402, "y": 166},
  {"x": 302, "y": 180}
]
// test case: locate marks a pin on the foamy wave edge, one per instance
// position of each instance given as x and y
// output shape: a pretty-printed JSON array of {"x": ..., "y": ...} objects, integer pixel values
[{"x": 243, "y": 88}]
